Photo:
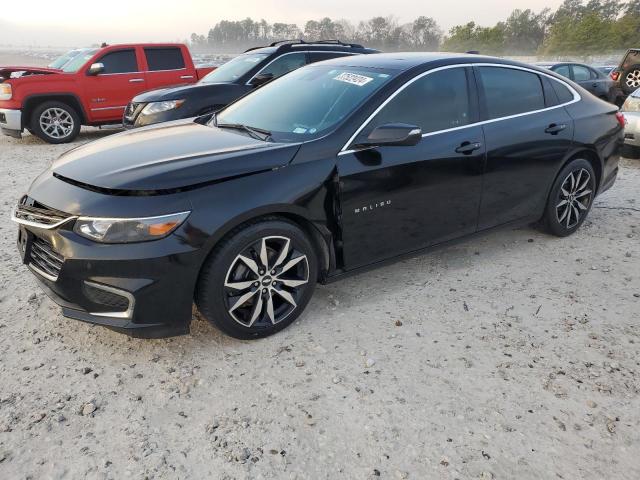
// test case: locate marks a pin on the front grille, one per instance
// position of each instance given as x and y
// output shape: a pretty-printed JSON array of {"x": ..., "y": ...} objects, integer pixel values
[
  {"x": 29, "y": 211},
  {"x": 131, "y": 112},
  {"x": 44, "y": 259},
  {"x": 106, "y": 298}
]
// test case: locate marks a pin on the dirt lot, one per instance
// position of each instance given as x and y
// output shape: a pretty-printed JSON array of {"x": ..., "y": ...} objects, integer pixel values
[{"x": 512, "y": 356}]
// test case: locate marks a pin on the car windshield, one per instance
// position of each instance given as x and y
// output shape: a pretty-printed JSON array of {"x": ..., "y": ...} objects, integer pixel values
[
  {"x": 234, "y": 68},
  {"x": 63, "y": 59},
  {"x": 74, "y": 64},
  {"x": 307, "y": 102}
]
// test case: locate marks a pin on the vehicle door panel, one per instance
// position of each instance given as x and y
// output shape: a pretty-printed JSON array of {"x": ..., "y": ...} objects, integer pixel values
[
  {"x": 524, "y": 152},
  {"x": 586, "y": 79},
  {"x": 109, "y": 93},
  {"x": 397, "y": 199},
  {"x": 165, "y": 66}
]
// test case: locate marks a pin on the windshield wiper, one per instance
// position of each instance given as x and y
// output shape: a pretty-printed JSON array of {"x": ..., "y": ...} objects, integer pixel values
[{"x": 257, "y": 133}]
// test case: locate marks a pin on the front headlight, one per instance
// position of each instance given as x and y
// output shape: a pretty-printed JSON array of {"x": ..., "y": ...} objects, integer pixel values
[
  {"x": 631, "y": 104},
  {"x": 157, "y": 107},
  {"x": 5, "y": 91},
  {"x": 128, "y": 230}
]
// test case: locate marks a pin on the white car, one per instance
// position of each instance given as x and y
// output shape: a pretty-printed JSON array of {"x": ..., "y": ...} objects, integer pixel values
[{"x": 631, "y": 111}]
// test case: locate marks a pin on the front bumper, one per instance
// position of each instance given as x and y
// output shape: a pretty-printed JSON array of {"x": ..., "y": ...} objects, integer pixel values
[
  {"x": 11, "y": 122},
  {"x": 130, "y": 288}
]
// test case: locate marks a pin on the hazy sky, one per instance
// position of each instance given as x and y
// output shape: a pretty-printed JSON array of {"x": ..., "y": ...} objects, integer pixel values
[{"x": 78, "y": 22}]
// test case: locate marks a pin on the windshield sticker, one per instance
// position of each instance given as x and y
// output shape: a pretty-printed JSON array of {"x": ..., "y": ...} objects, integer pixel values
[
  {"x": 353, "y": 79},
  {"x": 300, "y": 130}
]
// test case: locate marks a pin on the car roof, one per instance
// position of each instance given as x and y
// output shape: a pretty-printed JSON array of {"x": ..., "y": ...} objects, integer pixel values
[
  {"x": 322, "y": 46},
  {"x": 408, "y": 60}
]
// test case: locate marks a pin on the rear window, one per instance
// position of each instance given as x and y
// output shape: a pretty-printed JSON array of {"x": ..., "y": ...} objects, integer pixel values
[
  {"x": 164, "y": 58},
  {"x": 563, "y": 93},
  {"x": 509, "y": 91},
  {"x": 121, "y": 61}
]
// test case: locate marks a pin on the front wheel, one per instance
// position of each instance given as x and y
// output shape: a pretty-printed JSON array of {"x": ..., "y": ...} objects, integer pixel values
[
  {"x": 258, "y": 280},
  {"x": 571, "y": 198},
  {"x": 55, "y": 122}
]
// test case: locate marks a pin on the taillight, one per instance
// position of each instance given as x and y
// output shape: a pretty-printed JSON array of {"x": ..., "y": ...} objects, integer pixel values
[
  {"x": 615, "y": 75},
  {"x": 621, "y": 120}
]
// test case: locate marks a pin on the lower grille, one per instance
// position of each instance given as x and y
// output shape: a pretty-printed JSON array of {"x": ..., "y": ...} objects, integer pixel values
[
  {"x": 106, "y": 298},
  {"x": 44, "y": 259}
]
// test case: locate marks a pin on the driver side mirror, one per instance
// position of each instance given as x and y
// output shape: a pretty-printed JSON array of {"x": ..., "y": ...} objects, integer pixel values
[
  {"x": 95, "y": 69},
  {"x": 393, "y": 135},
  {"x": 261, "y": 79}
]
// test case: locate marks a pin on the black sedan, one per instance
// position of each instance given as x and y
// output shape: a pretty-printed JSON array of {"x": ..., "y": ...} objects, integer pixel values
[
  {"x": 325, "y": 172},
  {"x": 591, "y": 79},
  {"x": 232, "y": 80}
]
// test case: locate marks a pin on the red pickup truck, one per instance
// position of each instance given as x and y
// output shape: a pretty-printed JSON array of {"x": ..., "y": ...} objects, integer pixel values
[{"x": 90, "y": 86}]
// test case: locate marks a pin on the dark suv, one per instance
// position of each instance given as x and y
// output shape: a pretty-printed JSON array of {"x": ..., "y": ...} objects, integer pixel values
[
  {"x": 239, "y": 76},
  {"x": 627, "y": 75}
]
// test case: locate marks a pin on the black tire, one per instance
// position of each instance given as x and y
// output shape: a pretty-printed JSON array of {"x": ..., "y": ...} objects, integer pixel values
[
  {"x": 631, "y": 75},
  {"x": 570, "y": 201},
  {"x": 69, "y": 123},
  {"x": 253, "y": 318}
]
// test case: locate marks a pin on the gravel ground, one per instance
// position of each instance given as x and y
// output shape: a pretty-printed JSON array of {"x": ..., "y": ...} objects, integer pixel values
[{"x": 510, "y": 356}]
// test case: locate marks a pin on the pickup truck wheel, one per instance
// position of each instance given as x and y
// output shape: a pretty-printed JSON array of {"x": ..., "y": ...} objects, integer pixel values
[
  {"x": 55, "y": 122},
  {"x": 258, "y": 279}
]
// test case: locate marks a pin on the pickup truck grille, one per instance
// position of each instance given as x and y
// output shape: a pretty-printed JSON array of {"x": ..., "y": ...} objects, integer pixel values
[{"x": 44, "y": 259}]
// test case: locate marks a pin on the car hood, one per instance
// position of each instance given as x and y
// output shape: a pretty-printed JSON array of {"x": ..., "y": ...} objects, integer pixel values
[
  {"x": 181, "y": 91},
  {"x": 6, "y": 72},
  {"x": 169, "y": 157}
]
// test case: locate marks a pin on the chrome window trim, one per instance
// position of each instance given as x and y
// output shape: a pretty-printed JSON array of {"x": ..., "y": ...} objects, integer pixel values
[
  {"x": 576, "y": 98},
  {"x": 128, "y": 313},
  {"x": 290, "y": 53}
]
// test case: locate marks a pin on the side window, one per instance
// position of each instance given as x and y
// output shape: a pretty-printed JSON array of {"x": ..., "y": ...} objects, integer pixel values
[
  {"x": 319, "y": 56},
  {"x": 563, "y": 93},
  {"x": 164, "y": 58},
  {"x": 563, "y": 70},
  {"x": 120, "y": 61},
  {"x": 581, "y": 74},
  {"x": 509, "y": 91},
  {"x": 285, "y": 64},
  {"x": 437, "y": 101}
]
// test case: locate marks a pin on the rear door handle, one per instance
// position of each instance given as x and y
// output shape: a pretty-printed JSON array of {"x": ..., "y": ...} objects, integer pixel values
[
  {"x": 468, "y": 147},
  {"x": 555, "y": 128},
  {"x": 136, "y": 80},
  {"x": 186, "y": 77}
]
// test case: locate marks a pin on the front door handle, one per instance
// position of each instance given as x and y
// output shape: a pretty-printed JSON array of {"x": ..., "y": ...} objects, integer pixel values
[
  {"x": 467, "y": 148},
  {"x": 136, "y": 80},
  {"x": 555, "y": 128}
]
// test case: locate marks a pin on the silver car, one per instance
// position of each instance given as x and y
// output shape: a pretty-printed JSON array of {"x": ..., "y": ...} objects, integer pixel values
[{"x": 631, "y": 111}]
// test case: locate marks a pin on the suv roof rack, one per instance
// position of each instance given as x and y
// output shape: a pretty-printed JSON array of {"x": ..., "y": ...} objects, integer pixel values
[{"x": 294, "y": 42}]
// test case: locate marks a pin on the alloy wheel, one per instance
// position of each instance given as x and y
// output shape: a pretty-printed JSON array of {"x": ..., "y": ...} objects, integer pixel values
[
  {"x": 633, "y": 79},
  {"x": 265, "y": 282},
  {"x": 575, "y": 198},
  {"x": 56, "y": 122}
]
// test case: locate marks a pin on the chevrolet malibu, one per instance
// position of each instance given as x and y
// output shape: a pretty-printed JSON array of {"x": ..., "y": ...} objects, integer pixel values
[{"x": 327, "y": 171}]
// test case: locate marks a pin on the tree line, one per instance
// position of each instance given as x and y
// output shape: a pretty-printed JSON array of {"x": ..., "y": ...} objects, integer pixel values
[{"x": 577, "y": 27}]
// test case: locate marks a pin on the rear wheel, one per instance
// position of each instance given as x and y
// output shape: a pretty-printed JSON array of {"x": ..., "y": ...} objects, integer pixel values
[
  {"x": 631, "y": 79},
  {"x": 571, "y": 198},
  {"x": 259, "y": 279},
  {"x": 55, "y": 122}
]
